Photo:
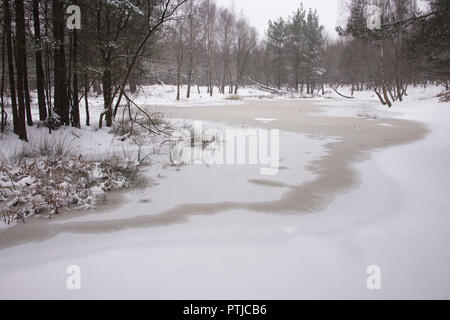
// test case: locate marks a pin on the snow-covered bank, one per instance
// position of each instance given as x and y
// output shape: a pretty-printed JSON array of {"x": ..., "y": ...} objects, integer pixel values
[
  {"x": 51, "y": 173},
  {"x": 165, "y": 95},
  {"x": 419, "y": 102}
]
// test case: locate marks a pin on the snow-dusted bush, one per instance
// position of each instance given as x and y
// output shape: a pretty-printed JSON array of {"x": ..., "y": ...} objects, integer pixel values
[
  {"x": 53, "y": 146},
  {"x": 46, "y": 175},
  {"x": 143, "y": 134},
  {"x": 141, "y": 123}
]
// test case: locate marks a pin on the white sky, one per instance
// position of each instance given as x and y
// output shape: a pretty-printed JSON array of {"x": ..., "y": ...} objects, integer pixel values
[{"x": 260, "y": 11}]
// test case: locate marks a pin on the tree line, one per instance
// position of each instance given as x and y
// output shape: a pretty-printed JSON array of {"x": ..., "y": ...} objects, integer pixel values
[
  {"x": 66, "y": 65},
  {"x": 216, "y": 47},
  {"x": 410, "y": 47},
  {"x": 123, "y": 44}
]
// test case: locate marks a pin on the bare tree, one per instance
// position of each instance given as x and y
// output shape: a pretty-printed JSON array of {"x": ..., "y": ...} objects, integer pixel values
[
  {"x": 209, "y": 12},
  {"x": 246, "y": 41},
  {"x": 178, "y": 43},
  {"x": 192, "y": 35},
  {"x": 158, "y": 13},
  {"x": 227, "y": 35}
]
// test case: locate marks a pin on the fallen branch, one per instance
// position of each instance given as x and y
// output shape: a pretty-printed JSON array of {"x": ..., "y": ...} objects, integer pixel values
[
  {"x": 267, "y": 88},
  {"x": 340, "y": 94}
]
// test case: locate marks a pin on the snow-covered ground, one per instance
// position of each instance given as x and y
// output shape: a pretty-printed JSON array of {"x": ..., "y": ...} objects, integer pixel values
[
  {"x": 165, "y": 95},
  {"x": 186, "y": 238}
]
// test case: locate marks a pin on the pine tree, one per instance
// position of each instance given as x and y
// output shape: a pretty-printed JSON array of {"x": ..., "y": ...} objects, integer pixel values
[
  {"x": 296, "y": 38},
  {"x": 313, "y": 41},
  {"x": 276, "y": 41},
  {"x": 429, "y": 44}
]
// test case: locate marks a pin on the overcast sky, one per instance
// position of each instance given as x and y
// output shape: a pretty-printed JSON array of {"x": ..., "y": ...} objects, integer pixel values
[{"x": 260, "y": 11}]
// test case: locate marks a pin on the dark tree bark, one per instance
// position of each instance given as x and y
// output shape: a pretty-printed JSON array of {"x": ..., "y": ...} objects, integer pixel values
[
  {"x": 61, "y": 101},
  {"x": 4, "y": 115},
  {"x": 107, "y": 91},
  {"x": 48, "y": 81},
  {"x": 189, "y": 86},
  {"x": 104, "y": 32},
  {"x": 383, "y": 76},
  {"x": 133, "y": 84},
  {"x": 296, "y": 76},
  {"x": 39, "y": 67},
  {"x": 191, "y": 55},
  {"x": 26, "y": 89},
  {"x": 179, "y": 66},
  {"x": 133, "y": 78},
  {"x": 20, "y": 58},
  {"x": 86, "y": 99},
  {"x": 9, "y": 52},
  {"x": 75, "y": 107}
]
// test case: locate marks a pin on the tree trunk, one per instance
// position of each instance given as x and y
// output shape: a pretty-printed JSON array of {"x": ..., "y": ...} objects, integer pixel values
[
  {"x": 224, "y": 79},
  {"x": 4, "y": 115},
  {"x": 48, "y": 81},
  {"x": 296, "y": 77},
  {"x": 27, "y": 91},
  {"x": 400, "y": 90},
  {"x": 39, "y": 66},
  {"x": 23, "y": 55},
  {"x": 179, "y": 65},
  {"x": 133, "y": 84},
  {"x": 86, "y": 99},
  {"x": 191, "y": 58},
  {"x": 380, "y": 97},
  {"x": 189, "y": 84},
  {"x": 382, "y": 69},
  {"x": 20, "y": 58},
  {"x": 61, "y": 100},
  {"x": 75, "y": 107},
  {"x": 107, "y": 92},
  {"x": 9, "y": 52},
  {"x": 383, "y": 76}
]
